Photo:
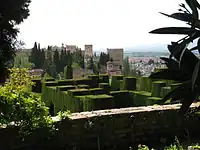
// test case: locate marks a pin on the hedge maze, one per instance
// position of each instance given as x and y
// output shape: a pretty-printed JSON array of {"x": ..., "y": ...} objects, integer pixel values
[{"x": 99, "y": 92}]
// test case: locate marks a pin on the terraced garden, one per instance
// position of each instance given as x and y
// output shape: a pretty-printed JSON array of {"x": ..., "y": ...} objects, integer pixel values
[{"x": 99, "y": 92}]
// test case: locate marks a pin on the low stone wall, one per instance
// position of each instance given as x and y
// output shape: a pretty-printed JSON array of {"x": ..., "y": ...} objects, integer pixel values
[{"x": 113, "y": 129}]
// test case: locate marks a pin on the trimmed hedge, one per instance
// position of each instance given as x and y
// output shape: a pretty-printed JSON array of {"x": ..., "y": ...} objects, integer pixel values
[
  {"x": 105, "y": 87},
  {"x": 129, "y": 83},
  {"x": 44, "y": 96},
  {"x": 97, "y": 102},
  {"x": 96, "y": 91},
  {"x": 66, "y": 82},
  {"x": 140, "y": 97},
  {"x": 121, "y": 85},
  {"x": 95, "y": 80},
  {"x": 79, "y": 92},
  {"x": 103, "y": 78},
  {"x": 145, "y": 84},
  {"x": 156, "y": 88},
  {"x": 65, "y": 88},
  {"x": 84, "y": 81},
  {"x": 115, "y": 82},
  {"x": 83, "y": 86},
  {"x": 122, "y": 99},
  {"x": 37, "y": 87},
  {"x": 49, "y": 79},
  {"x": 153, "y": 101},
  {"x": 165, "y": 91}
]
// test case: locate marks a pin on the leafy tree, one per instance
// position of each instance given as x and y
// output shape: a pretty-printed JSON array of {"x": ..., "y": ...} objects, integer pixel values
[
  {"x": 182, "y": 64},
  {"x": 12, "y": 13}
]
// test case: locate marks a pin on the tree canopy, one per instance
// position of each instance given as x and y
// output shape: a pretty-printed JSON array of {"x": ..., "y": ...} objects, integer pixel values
[{"x": 12, "y": 13}]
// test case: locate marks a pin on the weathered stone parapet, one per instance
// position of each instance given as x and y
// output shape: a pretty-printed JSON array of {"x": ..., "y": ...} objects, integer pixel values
[{"x": 126, "y": 126}]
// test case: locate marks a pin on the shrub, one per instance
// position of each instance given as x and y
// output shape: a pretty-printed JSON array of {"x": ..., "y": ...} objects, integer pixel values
[
  {"x": 105, "y": 87},
  {"x": 103, "y": 78},
  {"x": 115, "y": 82},
  {"x": 95, "y": 80},
  {"x": 84, "y": 81},
  {"x": 96, "y": 91},
  {"x": 66, "y": 82},
  {"x": 21, "y": 108},
  {"x": 140, "y": 97},
  {"x": 97, "y": 102},
  {"x": 122, "y": 99},
  {"x": 156, "y": 88},
  {"x": 129, "y": 83},
  {"x": 37, "y": 87}
]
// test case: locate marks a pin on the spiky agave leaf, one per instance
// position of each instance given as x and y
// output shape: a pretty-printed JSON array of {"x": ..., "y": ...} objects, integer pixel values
[
  {"x": 173, "y": 30},
  {"x": 180, "y": 16},
  {"x": 170, "y": 63},
  {"x": 167, "y": 74},
  {"x": 192, "y": 4}
]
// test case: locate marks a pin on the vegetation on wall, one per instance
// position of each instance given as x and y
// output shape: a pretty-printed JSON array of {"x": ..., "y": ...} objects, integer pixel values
[{"x": 182, "y": 64}]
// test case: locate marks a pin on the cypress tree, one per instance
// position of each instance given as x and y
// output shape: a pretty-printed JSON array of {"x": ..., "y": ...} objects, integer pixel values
[{"x": 56, "y": 60}]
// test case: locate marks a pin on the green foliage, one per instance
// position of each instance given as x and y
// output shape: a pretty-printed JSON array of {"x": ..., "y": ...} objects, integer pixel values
[
  {"x": 56, "y": 60},
  {"x": 64, "y": 114},
  {"x": 183, "y": 65},
  {"x": 22, "y": 60},
  {"x": 21, "y": 108},
  {"x": 129, "y": 83},
  {"x": 103, "y": 59},
  {"x": 68, "y": 72},
  {"x": 13, "y": 13},
  {"x": 126, "y": 69},
  {"x": 78, "y": 58}
]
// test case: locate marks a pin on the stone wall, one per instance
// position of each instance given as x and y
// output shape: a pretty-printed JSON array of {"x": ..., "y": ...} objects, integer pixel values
[
  {"x": 117, "y": 128},
  {"x": 108, "y": 129}
]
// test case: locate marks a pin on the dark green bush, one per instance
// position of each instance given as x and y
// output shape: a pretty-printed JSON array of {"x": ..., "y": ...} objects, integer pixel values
[
  {"x": 65, "y": 88},
  {"x": 79, "y": 92},
  {"x": 156, "y": 88},
  {"x": 153, "y": 100},
  {"x": 129, "y": 83},
  {"x": 115, "y": 82},
  {"x": 140, "y": 97},
  {"x": 96, "y": 91},
  {"x": 84, "y": 81},
  {"x": 66, "y": 82},
  {"x": 95, "y": 80},
  {"x": 103, "y": 78},
  {"x": 105, "y": 87},
  {"x": 165, "y": 91},
  {"x": 97, "y": 102},
  {"x": 83, "y": 86},
  {"x": 122, "y": 99},
  {"x": 44, "y": 95},
  {"x": 37, "y": 87}
]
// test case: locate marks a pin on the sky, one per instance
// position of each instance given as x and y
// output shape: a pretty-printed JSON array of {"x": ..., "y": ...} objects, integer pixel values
[{"x": 103, "y": 23}]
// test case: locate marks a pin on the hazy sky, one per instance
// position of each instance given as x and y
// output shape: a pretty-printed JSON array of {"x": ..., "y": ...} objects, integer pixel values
[{"x": 103, "y": 23}]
